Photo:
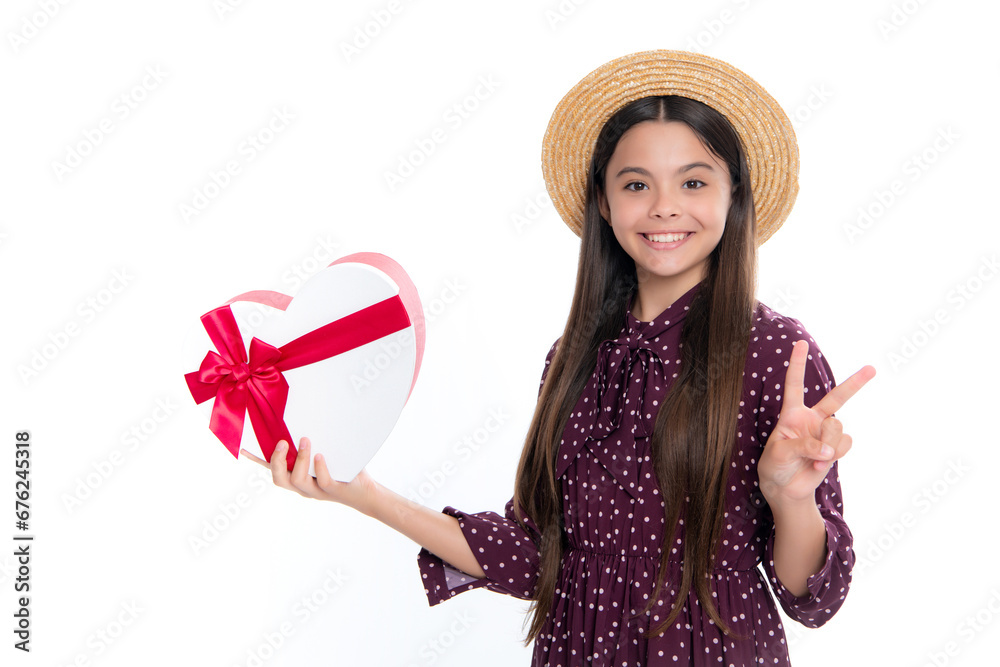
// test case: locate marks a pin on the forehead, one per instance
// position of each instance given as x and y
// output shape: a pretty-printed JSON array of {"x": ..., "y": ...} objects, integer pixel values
[{"x": 665, "y": 143}]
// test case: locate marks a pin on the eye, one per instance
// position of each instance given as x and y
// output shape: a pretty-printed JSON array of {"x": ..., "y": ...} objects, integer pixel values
[
  {"x": 693, "y": 184},
  {"x": 638, "y": 183}
]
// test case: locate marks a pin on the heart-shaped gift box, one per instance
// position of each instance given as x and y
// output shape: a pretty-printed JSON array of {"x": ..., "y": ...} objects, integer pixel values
[{"x": 336, "y": 363}]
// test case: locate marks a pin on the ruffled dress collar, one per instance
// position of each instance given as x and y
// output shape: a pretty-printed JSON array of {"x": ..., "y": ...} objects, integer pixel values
[{"x": 640, "y": 333}]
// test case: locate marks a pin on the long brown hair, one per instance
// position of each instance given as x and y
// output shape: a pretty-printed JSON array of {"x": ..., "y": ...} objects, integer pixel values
[{"x": 691, "y": 459}]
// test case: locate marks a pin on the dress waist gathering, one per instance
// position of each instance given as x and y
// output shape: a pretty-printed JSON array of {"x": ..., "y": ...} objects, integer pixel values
[{"x": 652, "y": 557}]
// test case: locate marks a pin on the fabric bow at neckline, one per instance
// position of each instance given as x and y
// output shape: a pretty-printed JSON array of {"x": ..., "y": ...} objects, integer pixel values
[
  {"x": 621, "y": 393},
  {"x": 616, "y": 359}
]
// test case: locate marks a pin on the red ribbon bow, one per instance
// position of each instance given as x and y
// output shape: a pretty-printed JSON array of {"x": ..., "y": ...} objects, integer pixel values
[{"x": 256, "y": 386}]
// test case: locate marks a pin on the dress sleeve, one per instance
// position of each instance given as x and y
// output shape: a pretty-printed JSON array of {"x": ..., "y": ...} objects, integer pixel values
[
  {"x": 828, "y": 587},
  {"x": 507, "y": 552}
]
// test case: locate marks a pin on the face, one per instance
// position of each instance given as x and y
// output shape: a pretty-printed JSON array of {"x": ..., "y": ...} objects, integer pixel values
[{"x": 666, "y": 198}]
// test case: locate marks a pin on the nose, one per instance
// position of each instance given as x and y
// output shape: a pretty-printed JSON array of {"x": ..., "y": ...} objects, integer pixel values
[{"x": 665, "y": 205}]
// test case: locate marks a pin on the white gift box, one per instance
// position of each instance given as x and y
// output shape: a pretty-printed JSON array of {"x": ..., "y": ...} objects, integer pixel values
[{"x": 355, "y": 336}]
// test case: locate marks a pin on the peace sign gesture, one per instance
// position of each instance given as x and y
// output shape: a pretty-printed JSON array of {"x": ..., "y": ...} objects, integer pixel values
[{"x": 805, "y": 442}]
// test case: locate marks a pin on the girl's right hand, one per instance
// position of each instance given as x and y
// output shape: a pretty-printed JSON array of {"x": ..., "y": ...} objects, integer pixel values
[{"x": 358, "y": 493}]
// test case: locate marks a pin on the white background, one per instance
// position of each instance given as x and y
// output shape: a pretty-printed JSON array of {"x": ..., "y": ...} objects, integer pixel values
[{"x": 115, "y": 516}]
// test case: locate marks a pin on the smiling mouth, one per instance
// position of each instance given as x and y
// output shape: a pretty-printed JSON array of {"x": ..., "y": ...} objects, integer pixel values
[{"x": 667, "y": 238}]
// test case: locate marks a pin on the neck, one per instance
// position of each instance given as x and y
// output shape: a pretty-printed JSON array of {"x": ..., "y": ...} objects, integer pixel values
[{"x": 655, "y": 294}]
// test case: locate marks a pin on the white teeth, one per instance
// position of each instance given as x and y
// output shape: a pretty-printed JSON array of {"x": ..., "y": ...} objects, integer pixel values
[{"x": 666, "y": 238}]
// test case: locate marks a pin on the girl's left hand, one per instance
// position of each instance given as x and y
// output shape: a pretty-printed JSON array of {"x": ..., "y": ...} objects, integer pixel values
[{"x": 806, "y": 441}]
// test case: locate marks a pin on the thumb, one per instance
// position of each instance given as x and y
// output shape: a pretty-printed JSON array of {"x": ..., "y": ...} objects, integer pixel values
[{"x": 812, "y": 448}]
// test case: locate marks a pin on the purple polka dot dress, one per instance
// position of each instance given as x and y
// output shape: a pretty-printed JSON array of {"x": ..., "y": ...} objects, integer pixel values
[{"x": 614, "y": 521}]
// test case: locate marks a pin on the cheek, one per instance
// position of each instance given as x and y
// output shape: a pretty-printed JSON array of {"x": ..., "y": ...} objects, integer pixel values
[
  {"x": 625, "y": 238},
  {"x": 619, "y": 234},
  {"x": 714, "y": 210},
  {"x": 627, "y": 208}
]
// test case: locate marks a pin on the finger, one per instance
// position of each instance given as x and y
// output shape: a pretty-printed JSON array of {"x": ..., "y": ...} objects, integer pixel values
[
  {"x": 830, "y": 431},
  {"x": 793, "y": 450},
  {"x": 811, "y": 448},
  {"x": 795, "y": 376},
  {"x": 835, "y": 399},
  {"x": 843, "y": 446},
  {"x": 832, "y": 434},
  {"x": 323, "y": 478},
  {"x": 300, "y": 477},
  {"x": 822, "y": 465},
  {"x": 279, "y": 470},
  {"x": 295, "y": 479},
  {"x": 254, "y": 458}
]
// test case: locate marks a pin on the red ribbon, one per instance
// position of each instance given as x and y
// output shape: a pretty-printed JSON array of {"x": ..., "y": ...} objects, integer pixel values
[{"x": 256, "y": 386}]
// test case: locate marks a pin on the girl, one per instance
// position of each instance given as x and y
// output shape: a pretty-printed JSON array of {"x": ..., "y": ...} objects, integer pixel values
[{"x": 683, "y": 433}]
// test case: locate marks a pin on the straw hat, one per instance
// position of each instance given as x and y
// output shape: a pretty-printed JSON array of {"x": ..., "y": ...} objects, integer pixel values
[{"x": 763, "y": 127}]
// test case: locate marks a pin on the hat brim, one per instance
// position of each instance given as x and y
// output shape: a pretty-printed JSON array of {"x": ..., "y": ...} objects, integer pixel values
[{"x": 763, "y": 127}]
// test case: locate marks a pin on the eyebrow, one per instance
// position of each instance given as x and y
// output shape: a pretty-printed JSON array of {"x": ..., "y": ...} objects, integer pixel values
[{"x": 643, "y": 172}]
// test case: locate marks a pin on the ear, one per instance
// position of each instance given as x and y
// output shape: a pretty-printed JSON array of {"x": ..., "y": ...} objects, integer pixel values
[{"x": 602, "y": 205}]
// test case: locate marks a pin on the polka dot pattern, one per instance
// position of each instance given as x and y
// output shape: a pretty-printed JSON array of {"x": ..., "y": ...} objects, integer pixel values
[{"x": 613, "y": 517}]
